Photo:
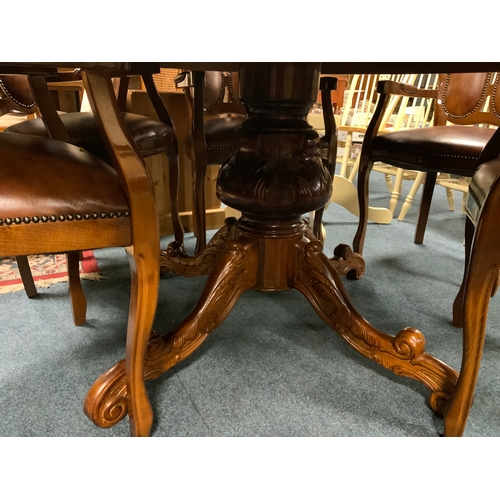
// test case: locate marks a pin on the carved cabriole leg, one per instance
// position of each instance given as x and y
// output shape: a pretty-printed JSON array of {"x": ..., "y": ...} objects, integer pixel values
[
  {"x": 235, "y": 272},
  {"x": 479, "y": 284},
  {"x": 404, "y": 354},
  {"x": 476, "y": 312},
  {"x": 127, "y": 393},
  {"x": 458, "y": 304},
  {"x": 143, "y": 300},
  {"x": 365, "y": 167},
  {"x": 176, "y": 260},
  {"x": 173, "y": 178}
]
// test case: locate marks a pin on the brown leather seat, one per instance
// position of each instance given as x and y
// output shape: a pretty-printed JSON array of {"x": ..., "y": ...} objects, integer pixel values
[
  {"x": 220, "y": 138},
  {"x": 480, "y": 282},
  {"x": 433, "y": 149},
  {"x": 462, "y": 99},
  {"x": 151, "y": 136},
  {"x": 47, "y": 183}
]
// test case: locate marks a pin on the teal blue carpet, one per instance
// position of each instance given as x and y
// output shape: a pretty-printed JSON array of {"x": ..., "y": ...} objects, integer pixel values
[{"x": 273, "y": 368}]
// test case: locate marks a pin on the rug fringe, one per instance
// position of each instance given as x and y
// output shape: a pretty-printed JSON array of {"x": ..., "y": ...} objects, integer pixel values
[
  {"x": 46, "y": 283},
  {"x": 93, "y": 276},
  {"x": 11, "y": 288}
]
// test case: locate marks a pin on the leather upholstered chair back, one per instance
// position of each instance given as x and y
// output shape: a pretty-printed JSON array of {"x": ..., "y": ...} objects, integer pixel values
[
  {"x": 15, "y": 95},
  {"x": 215, "y": 114},
  {"x": 468, "y": 99},
  {"x": 220, "y": 94}
]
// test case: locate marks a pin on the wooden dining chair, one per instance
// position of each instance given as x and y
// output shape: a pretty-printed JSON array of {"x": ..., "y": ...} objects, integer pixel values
[
  {"x": 150, "y": 136},
  {"x": 353, "y": 120},
  {"x": 58, "y": 198},
  {"x": 480, "y": 282},
  {"x": 465, "y": 100},
  {"x": 215, "y": 113}
]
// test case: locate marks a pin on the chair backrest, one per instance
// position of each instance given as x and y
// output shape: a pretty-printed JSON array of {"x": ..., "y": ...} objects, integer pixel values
[
  {"x": 216, "y": 92},
  {"x": 15, "y": 95},
  {"x": 220, "y": 93},
  {"x": 401, "y": 112},
  {"x": 468, "y": 99}
]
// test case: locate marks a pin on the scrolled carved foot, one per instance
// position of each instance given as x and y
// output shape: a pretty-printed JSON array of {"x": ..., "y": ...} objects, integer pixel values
[
  {"x": 347, "y": 262},
  {"x": 106, "y": 402},
  {"x": 404, "y": 354}
]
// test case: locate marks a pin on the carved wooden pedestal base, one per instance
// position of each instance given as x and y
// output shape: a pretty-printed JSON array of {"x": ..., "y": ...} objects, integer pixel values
[
  {"x": 176, "y": 260},
  {"x": 274, "y": 177},
  {"x": 239, "y": 258}
]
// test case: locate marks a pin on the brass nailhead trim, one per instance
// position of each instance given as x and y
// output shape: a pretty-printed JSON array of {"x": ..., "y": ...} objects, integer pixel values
[
  {"x": 223, "y": 88},
  {"x": 10, "y": 96},
  {"x": 231, "y": 90},
  {"x": 478, "y": 105},
  {"x": 494, "y": 96},
  {"x": 54, "y": 218}
]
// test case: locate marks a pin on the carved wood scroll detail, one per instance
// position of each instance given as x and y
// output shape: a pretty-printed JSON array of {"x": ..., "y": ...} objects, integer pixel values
[
  {"x": 403, "y": 354},
  {"x": 106, "y": 403},
  {"x": 176, "y": 260},
  {"x": 347, "y": 262}
]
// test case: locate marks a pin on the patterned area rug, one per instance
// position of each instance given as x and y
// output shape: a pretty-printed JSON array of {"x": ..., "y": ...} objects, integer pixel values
[{"x": 46, "y": 270}]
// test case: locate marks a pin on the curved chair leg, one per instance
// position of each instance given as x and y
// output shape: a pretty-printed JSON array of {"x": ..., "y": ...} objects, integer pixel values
[
  {"x": 365, "y": 168},
  {"x": 199, "y": 174},
  {"x": 143, "y": 300},
  {"x": 425, "y": 205},
  {"x": 26, "y": 276},
  {"x": 458, "y": 304},
  {"x": 481, "y": 280},
  {"x": 173, "y": 174},
  {"x": 77, "y": 296}
]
